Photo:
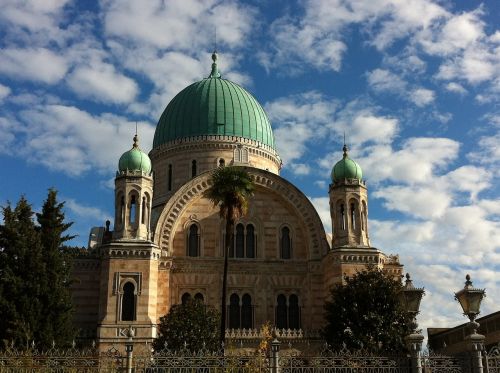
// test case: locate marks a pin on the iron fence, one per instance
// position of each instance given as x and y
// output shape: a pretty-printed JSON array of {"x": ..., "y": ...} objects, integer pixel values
[{"x": 289, "y": 360}]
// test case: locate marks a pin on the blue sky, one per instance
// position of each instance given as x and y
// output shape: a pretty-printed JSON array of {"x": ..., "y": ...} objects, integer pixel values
[{"x": 414, "y": 85}]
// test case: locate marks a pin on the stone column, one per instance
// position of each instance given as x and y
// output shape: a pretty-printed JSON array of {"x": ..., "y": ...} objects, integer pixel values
[
  {"x": 274, "y": 363},
  {"x": 414, "y": 345},
  {"x": 475, "y": 346}
]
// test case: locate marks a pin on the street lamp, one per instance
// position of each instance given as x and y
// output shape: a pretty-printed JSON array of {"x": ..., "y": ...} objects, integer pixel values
[
  {"x": 470, "y": 299},
  {"x": 410, "y": 298}
]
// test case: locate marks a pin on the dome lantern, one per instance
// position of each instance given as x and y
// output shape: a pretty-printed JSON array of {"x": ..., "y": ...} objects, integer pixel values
[
  {"x": 214, "y": 107},
  {"x": 346, "y": 168},
  {"x": 134, "y": 159}
]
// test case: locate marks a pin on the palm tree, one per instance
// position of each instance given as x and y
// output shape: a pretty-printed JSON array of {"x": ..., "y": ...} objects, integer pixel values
[{"x": 230, "y": 190}]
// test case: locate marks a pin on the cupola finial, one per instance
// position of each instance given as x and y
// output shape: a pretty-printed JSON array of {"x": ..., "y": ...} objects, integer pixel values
[
  {"x": 345, "y": 148},
  {"x": 136, "y": 138},
  {"x": 215, "y": 70}
]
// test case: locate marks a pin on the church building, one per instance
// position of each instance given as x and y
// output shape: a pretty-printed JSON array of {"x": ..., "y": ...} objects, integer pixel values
[{"x": 167, "y": 241}]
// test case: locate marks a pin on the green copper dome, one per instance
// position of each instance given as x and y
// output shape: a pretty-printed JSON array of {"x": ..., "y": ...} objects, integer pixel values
[
  {"x": 213, "y": 106},
  {"x": 135, "y": 160},
  {"x": 346, "y": 168}
]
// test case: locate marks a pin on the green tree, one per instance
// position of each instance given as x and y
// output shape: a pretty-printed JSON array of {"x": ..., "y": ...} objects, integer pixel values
[
  {"x": 192, "y": 325},
  {"x": 57, "y": 323},
  {"x": 365, "y": 313},
  {"x": 35, "y": 302},
  {"x": 231, "y": 188},
  {"x": 21, "y": 276}
]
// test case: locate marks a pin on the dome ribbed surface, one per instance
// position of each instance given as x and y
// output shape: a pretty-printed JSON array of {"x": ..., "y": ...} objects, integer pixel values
[
  {"x": 134, "y": 160},
  {"x": 346, "y": 168},
  {"x": 213, "y": 106}
]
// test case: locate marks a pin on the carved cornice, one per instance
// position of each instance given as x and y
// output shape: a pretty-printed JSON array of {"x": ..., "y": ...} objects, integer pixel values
[{"x": 197, "y": 143}]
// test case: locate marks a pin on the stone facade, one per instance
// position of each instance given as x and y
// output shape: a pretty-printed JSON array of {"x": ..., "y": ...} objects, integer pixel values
[
  {"x": 167, "y": 243},
  {"x": 151, "y": 250}
]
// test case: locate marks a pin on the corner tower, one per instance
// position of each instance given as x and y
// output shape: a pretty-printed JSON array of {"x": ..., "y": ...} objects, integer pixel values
[
  {"x": 348, "y": 204},
  {"x": 133, "y": 195}
]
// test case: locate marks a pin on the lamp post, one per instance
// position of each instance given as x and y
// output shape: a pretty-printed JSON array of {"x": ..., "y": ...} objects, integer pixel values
[
  {"x": 275, "y": 351},
  {"x": 470, "y": 299},
  {"x": 410, "y": 298},
  {"x": 129, "y": 348}
]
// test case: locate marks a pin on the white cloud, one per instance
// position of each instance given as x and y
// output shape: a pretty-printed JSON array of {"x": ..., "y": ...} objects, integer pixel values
[
  {"x": 322, "y": 206},
  {"x": 4, "y": 91},
  {"x": 384, "y": 80},
  {"x": 103, "y": 83},
  {"x": 300, "y": 169},
  {"x": 422, "y": 96},
  {"x": 415, "y": 162},
  {"x": 37, "y": 64},
  {"x": 458, "y": 33},
  {"x": 186, "y": 25},
  {"x": 72, "y": 141},
  {"x": 85, "y": 212},
  {"x": 456, "y": 88}
]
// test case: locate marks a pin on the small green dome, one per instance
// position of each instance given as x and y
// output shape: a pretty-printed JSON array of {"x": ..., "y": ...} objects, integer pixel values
[
  {"x": 346, "y": 168},
  {"x": 214, "y": 106},
  {"x": 135, "y": 160}
]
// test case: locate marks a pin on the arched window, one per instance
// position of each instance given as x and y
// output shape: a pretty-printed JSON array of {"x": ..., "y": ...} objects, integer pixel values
[
  {"x": 353, "y": 216},
  {"x": 364, "y": 217},
  {"x": 287, "y": 314},
  {"x": 186, "y": 297},
  {"x": 246, "y": 312},
  {"x": 342, "y": 217},
  {"x": 169, "y": 178},
  {"x": 250, "y": 241},
  {"x": 286, "y": 243},
  {"x": 234, "y": 311},
  {"x": 128, "y": 302},
  {"x": 199, "y": 297},
  {"x": 121, "y": 217},
  {"x": 293, "y": 312},
  {"x": 240, "y": 241},
  {"x": 193, "y": 168},
  {"x": 193, "y": 241},
  {"x": 222, "y": 162},
  {"x": 143, "y": 210},
  {"x": 133, "y": 208},
  {"x": 281, "y": 313}
]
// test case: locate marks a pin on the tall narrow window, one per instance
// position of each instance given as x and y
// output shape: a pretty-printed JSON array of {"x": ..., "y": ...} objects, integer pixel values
[
  {"x": 342, "y": 217},
  {"x": 122, "y": 210},
  {"x": 133, "y": 208},
  {"x": 169, "y": 178},
  {"x": 186, "y": 297},
  {"x": 281, "y": 313},
  {"x": 128, "y": 302},
  {"x": 199, "y": 297},
  {"x": 250, "y": 241},
  {"x": 240, "y": 241},
  {"x": 222, "y": 162},
  {"x": 234, "y": 311},
  {"x": 193, "y": 241},
  {"x": 286, "y": 243},
  {"x": 364, "y": 218},
  {"x": 353, "y": 216},
  {"x": 246, "y": 312},
  {"x": 293, "y": 312},
  {"x": 193, "y": 168},
  {"x": 143, "y": 210}
]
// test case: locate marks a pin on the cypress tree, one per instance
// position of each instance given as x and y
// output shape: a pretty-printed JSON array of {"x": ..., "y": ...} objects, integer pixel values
[
  {"x": 21, "y": 276},
  {"x": 35, "y": 274},
  {"x": 57, "y": 325}
]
